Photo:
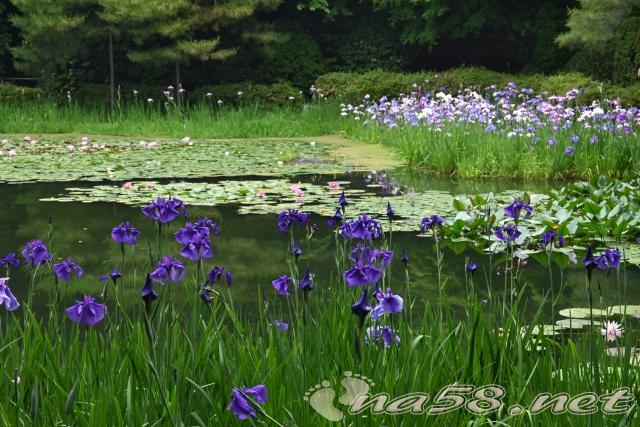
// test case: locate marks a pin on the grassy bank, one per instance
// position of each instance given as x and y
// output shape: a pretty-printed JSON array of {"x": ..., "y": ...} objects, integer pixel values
[
  {"x": 470, "y": 152},
  {"x": 197, "y": 121}
]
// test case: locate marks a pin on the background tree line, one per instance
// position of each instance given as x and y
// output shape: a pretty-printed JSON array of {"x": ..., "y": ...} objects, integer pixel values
[{"x": 66, "y": 43}]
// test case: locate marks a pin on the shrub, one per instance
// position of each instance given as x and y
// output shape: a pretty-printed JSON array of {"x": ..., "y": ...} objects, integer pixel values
[
  {"x": 12, "y": 93},
  {"x": 351, "y": 87}
]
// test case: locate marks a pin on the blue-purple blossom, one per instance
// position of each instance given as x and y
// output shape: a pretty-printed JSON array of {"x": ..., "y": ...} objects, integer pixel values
[
  {"x": 384, "y": 334},
  {"x": 198, "y": 249},
  {"x": 36, "y": 253},
  {"x": 64, "y": 269},
  {"x": 10, "y": 260},
  {"x": 148, "y": 293},
  {"x": 363, "y": 228},
  {"x": 362, "y": 307},
  {"x": 306, "y": 283},
  {"x": 280, "y": 325},
  {"x": 364, "y": 270},
  {"x": 164, "y": 210},
  {"x": 507, "y": 233},
  {"x": 216, "y": 273},
  {"x": 388, "y": 302},
  {"x": 241, "y": 405},
  {"x": 569, "y": 151},
  {"x": 405, "y": 258},
  {"x": 515, "y": 209},
  {"x": 86, "y": 311},
  {"x": 281, "y": 284},
  {"x": 431, "y": 222},
  {"x": 390, "y": 212},
  {"x": 296, "y": 250},
  {"x": 335, "y": 219},
  {"x": 472, "y": 266},
  {"x": 125, "y": 234},
  {"x": 290, "y": 217},
  {"x": 342, "y": 201},
  {"x": 168, "y": 270},
  {"x": 6, "y": 297},
  {"x": 549, "y": 236}
]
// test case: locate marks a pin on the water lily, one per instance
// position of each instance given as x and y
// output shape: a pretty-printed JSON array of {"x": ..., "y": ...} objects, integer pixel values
[{"x": 611, "y": 330}]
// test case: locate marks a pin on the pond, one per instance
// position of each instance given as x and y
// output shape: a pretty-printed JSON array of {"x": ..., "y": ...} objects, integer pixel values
[{"x": 250, "y": 245}]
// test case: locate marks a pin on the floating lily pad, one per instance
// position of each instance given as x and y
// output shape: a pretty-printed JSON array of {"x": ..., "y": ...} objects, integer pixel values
[
  {"x": 573, "y": 323},
  {"x": 582, "y": 313}
]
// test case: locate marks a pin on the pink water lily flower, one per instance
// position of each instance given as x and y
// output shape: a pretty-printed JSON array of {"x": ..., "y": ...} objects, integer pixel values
[
  {"x": 334, "y": 185},
  {"x": 261, "y": 193},
  {"x": 611, "y": 330},
  {"x": 297, "y": 190},
  {"x": 127, "y": 185}
]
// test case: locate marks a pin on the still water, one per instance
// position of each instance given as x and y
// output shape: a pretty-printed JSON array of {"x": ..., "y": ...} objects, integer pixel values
[{"x": 253, "y": 249}]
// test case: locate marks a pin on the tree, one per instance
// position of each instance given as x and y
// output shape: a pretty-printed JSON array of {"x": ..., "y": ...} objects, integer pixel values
[
  {"x": 4, "y": 36},
  {"x": 55, "y": 34},
  {"x": 180, "y": 31},
  {"x": 594, "y": 23}
]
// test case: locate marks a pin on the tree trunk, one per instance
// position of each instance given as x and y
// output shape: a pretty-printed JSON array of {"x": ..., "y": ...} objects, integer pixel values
[{"x": 112, "y": 83}]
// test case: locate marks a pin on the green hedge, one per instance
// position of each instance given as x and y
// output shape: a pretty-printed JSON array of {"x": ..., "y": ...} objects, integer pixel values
[
  {"x": 12, "y": 93},
  {"x": 351, "y": 87}
]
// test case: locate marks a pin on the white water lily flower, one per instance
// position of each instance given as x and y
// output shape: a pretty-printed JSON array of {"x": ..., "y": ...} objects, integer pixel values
[{"x": 611, "y": 330}]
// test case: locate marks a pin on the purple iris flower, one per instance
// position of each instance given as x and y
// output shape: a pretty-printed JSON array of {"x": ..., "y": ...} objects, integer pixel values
[
  {"x": 363, "y": 228},
  {"x": 364, "y": 271},
  {"x": 280, "y": 325},
  {"x": 335, "y": 219},
  {"x": 64, "y": 269},
  {"x": 514, "y": 210},
  {"x": 390, "y": 212},
  {"x": 569, "y": 151},
  {"x": 387, "y": 303},
  {"x": 240, "y": 404},
  {"x": 125, "y": 234},
  {"x": 10, "y": 260},
  {"x": 405, "y": 258},
  {"x": 168, "y": 269},
  {"x": 306, "y": 283},
  {"x": 114, "y": 275},
  {"x": 36, "y": 253},
  {"x": 281, "y": 284},
  {"x": 472, "y": 266},
  {"x": 291, "y": 217},
  {"x": 164, "y": 210},
  {"x": 549, "y": 236},
  {"x": 6, "y": 297},
  {"x": 189, "y": 233},
  {"x": 589, "y": 260},
  {"x": 216, "y": 273},
  {"x": 199, "y": 248},
  {"x": 205, "y": 224},
  {"x": 601, "y": 261},
  {"x": 148, "y": 293},
  {"x": 87, "y": 311},
  {"x": 575, "y": 138},
  {"x": 507, "y": 233},
  {"x": 384, "y": 334},
  {"x": 205, "y": 294},
  {"x": 342, "y": 201},
  {"x": 430, "y": 222},
  {"x": 362, "y": 307},
  {"x": 613, "y": 256},
  {"x": 296, "y": 250}
]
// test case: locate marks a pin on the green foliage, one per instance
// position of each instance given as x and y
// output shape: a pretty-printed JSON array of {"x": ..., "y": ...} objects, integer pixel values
[
  {"x": 626, "y": 54},
  {"x": 595, "y": 22},
  {"x": 10, "y": 94},
  {"x": 298, "y": 60}
]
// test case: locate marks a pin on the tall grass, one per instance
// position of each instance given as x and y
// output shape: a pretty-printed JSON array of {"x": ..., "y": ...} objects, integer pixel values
[
  {"x": 179, "y": 367},
  {"x": 469, "y": 151},
  {"x": 201, "y": 120}
]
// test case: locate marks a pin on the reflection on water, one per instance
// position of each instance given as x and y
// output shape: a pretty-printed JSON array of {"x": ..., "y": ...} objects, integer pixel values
[{"x": 253, "y": 249}]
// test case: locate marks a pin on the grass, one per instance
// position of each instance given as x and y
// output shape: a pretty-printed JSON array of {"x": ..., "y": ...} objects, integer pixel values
[
  {"x": 197, "y": 121},
  {"x": 469, "y": 152},
  {"x": 178, "y": 365}
]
